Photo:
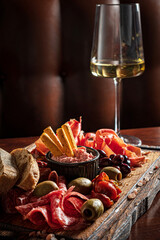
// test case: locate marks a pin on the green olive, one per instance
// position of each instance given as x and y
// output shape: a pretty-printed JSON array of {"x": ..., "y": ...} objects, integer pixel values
[
  {"x": 44, "y": 188},
  {"x": 92, "y": 209},
  {"x": 113, "y": 173},
  {"x": 82, "y": 185}
]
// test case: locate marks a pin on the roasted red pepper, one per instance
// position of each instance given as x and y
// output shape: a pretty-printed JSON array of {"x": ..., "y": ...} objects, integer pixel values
[
  {"x": 107, "y": 202},
  {"x": 102, "y": 184}
]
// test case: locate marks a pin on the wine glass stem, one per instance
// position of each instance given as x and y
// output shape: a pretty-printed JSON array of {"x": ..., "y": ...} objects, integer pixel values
[{"x": 117, "y": 85}]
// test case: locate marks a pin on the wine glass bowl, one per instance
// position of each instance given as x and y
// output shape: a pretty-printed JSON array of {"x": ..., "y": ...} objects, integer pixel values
[{"x": 117, "y": 49}]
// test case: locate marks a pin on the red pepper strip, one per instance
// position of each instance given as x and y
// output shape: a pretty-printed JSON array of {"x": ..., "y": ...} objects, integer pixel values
[
  {"x": 106, "y": 149},
  {"x": 90, "y": 140},
  {"x": 137, "y": 161},
  {"x": 107, "y": 202},
  {"x": 134, "y": 149}
]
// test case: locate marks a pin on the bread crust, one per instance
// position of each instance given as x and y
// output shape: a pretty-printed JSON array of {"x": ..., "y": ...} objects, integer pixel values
[
  {"x": 28, "y": 169},
  {"x": 9, "y": 172}
]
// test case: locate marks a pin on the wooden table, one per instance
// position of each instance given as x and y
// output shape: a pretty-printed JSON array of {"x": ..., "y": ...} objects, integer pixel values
[{"x": 148, "y": 226}]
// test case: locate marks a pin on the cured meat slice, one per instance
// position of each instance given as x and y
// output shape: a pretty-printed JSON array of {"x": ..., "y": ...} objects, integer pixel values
[
  {"x": 9, "y": 200},
  {"x": 75, "y": 127},
  {"x": 53, "y": 176},
  {"x": 58, "y": 215},
  {"x": 72, "y": 206},
  {"x": 60, "y": 209},
  {"x": 67, "y": 208},
  {"x": 24, "y": 198},
  {"x": 72, "y": 202},
  {"x": 62, "y": 183},
  {"x": 41, "y": 216},
  {"x": 25, "y": 209},
  {"x": 44, "y": 174}
]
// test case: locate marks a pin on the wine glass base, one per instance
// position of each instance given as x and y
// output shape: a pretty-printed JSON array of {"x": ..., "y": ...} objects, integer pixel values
[{"x": 131, "y": 140}]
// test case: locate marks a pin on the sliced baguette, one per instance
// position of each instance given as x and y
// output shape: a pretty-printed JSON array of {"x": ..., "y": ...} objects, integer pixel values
[
  {"x": 28, "y": 169},
  {"x": 8, "y": 171}
]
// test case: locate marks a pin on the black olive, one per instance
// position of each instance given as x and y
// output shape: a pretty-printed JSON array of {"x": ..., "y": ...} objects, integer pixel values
[
  {"x": 125, "y": 157},
  {"x": 116, "y": 166},
  {"x": 118, "y": 159},
  {"x": 104, "y": 162},
  {"x": 112, "y": 156},
  {"x": 128, "y": 162},
  {"x": 102, "y": 153},
  {"x": 125, "y": 169}
]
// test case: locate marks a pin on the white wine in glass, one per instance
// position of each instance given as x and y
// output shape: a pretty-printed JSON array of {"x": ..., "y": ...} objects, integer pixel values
[{"x": 117, "y": 49}]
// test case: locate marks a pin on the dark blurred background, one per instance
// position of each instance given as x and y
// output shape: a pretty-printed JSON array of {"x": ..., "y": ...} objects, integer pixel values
[{"x": 45, "y": 78}]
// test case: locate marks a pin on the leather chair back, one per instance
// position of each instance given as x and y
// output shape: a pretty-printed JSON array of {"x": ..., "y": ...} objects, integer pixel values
[{"x": 45, "y": 77}]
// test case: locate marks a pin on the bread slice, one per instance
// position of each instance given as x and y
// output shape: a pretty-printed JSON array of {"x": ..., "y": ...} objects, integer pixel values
[
  {"x": 9, "y": 173},
  {"x": 28, "y": 169}
]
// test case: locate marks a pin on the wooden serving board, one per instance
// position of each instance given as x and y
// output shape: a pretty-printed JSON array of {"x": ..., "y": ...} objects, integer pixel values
[{"x": 116, "y": 222}]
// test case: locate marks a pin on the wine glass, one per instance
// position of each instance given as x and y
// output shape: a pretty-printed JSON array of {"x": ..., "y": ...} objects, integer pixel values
[{"x": 117, "y": 49}]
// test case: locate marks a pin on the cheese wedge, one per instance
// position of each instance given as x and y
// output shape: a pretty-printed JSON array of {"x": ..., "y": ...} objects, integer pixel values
[
  {"x": 67, "y": 149},
  {"x": 67, "y": 129},
  {"x": 49, "y": 131},
  {"x": 50, "y": 145}
]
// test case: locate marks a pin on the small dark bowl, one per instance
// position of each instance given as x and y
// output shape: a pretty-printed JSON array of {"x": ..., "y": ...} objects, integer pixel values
[{"x": 88, "y": 169}]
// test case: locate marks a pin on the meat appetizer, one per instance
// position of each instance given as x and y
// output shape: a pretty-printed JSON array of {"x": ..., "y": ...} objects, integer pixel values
[{"x": 46, "y": 198}]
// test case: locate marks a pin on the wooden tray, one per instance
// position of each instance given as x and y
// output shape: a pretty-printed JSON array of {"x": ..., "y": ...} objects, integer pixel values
[{"x": 117, "y": 221}]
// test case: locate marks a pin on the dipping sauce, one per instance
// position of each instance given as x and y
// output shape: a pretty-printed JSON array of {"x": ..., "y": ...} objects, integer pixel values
[{"x": 80, "y": 155}]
